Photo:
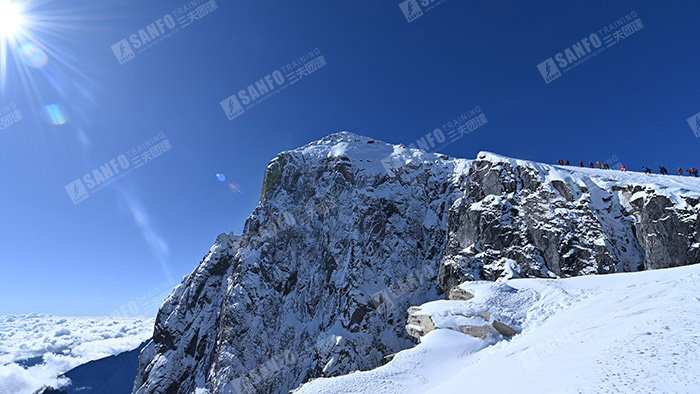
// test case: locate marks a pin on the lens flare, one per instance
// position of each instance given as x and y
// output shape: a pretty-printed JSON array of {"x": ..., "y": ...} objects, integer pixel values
[
  {"x": 11, "y": 19},
  {"x": 32, "y": 55},
  {"x": 221, "y": 177},
  {"x": 234, "y": 188},
  {"x": 55, "y": 115}
]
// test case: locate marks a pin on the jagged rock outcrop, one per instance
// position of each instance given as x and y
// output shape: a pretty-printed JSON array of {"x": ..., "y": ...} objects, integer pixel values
[
  {"x": 524, "y": 219},
  {"x": 350, "y": 232}
]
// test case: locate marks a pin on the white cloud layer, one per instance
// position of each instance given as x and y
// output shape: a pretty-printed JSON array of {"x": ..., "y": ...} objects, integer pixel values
[{"x": 35, "y": 349}]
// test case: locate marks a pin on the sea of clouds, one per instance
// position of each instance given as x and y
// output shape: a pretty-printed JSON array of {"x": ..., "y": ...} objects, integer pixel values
[{"x": 36, "y": 349}]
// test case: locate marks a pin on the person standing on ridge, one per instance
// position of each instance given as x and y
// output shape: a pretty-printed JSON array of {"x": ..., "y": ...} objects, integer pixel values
[
  {"x": 590, "y": 164},
  {"x": 623, "y": 168},
  {"x": 647, "y": 170},
  {"x": 597, "y": 164},
  {"x": 567, "y": 163},
  {"x": 581, "y": 163},
  {"x": 663, "y": 170},
  {"x": 680, "y": 171}
]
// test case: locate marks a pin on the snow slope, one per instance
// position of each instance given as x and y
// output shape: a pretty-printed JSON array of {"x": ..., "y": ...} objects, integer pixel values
[
  {"x": 618, "y": 333},
  {"x": 35, "y": 349}
]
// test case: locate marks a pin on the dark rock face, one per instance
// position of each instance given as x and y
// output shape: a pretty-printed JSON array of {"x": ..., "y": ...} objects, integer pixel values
[
  {"x": 184, "y": 336},
  {"x": 341, "y": 245},
  {"x": 317, "y": 285},
  {"x": 513, "y": 222},
  {"x": 667, "y": 234}
]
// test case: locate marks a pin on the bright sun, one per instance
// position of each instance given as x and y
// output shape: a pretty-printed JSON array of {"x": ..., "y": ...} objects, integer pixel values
[{"x": 11, "y": 19}]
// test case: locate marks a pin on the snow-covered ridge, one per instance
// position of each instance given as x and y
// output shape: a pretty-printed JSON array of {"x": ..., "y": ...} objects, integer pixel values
[
  {"x": 350, "y": 232},
  {"x": 376, "y": 157},
  {"x": 372, "y": 157},
  {"x": 674, "y": 187}
]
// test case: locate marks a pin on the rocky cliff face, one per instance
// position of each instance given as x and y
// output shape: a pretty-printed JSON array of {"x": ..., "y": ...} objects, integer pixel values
[
  {"x": 350, "y": 232},
  {"x": 520, "y": 218},
  {"x": 186, "y": 328}
]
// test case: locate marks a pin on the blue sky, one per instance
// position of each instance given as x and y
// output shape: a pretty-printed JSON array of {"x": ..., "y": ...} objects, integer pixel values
[{"x": 385, "y": 78}]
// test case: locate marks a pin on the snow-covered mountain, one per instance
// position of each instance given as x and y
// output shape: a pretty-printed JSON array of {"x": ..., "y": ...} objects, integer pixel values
[{"x": 351, "y": 231}]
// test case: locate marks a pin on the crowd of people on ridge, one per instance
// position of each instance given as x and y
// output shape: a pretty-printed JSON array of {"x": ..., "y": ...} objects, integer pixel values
[{"x": 604, "y": 166}]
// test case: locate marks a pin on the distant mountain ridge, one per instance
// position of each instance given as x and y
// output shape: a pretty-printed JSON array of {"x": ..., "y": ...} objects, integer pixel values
[
  {"x": 109, "y": 375},
  {"x": 351, "y": 231}
]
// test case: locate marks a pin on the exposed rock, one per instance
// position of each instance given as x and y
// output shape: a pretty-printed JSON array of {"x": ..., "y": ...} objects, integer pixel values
[
  {"x": 484, "y": 315},
  {"x": 419, "y": 325},
  {"x": 185, "y": 332},
  {"x": 459, "y": 294},
  {"x": 504, "y": 329},
  {"x": 573, "y": 226},
  {"x": 476, "y": 331},
  {"x": 666, "y": 233},
  {"x": 413, "y": 309}
]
